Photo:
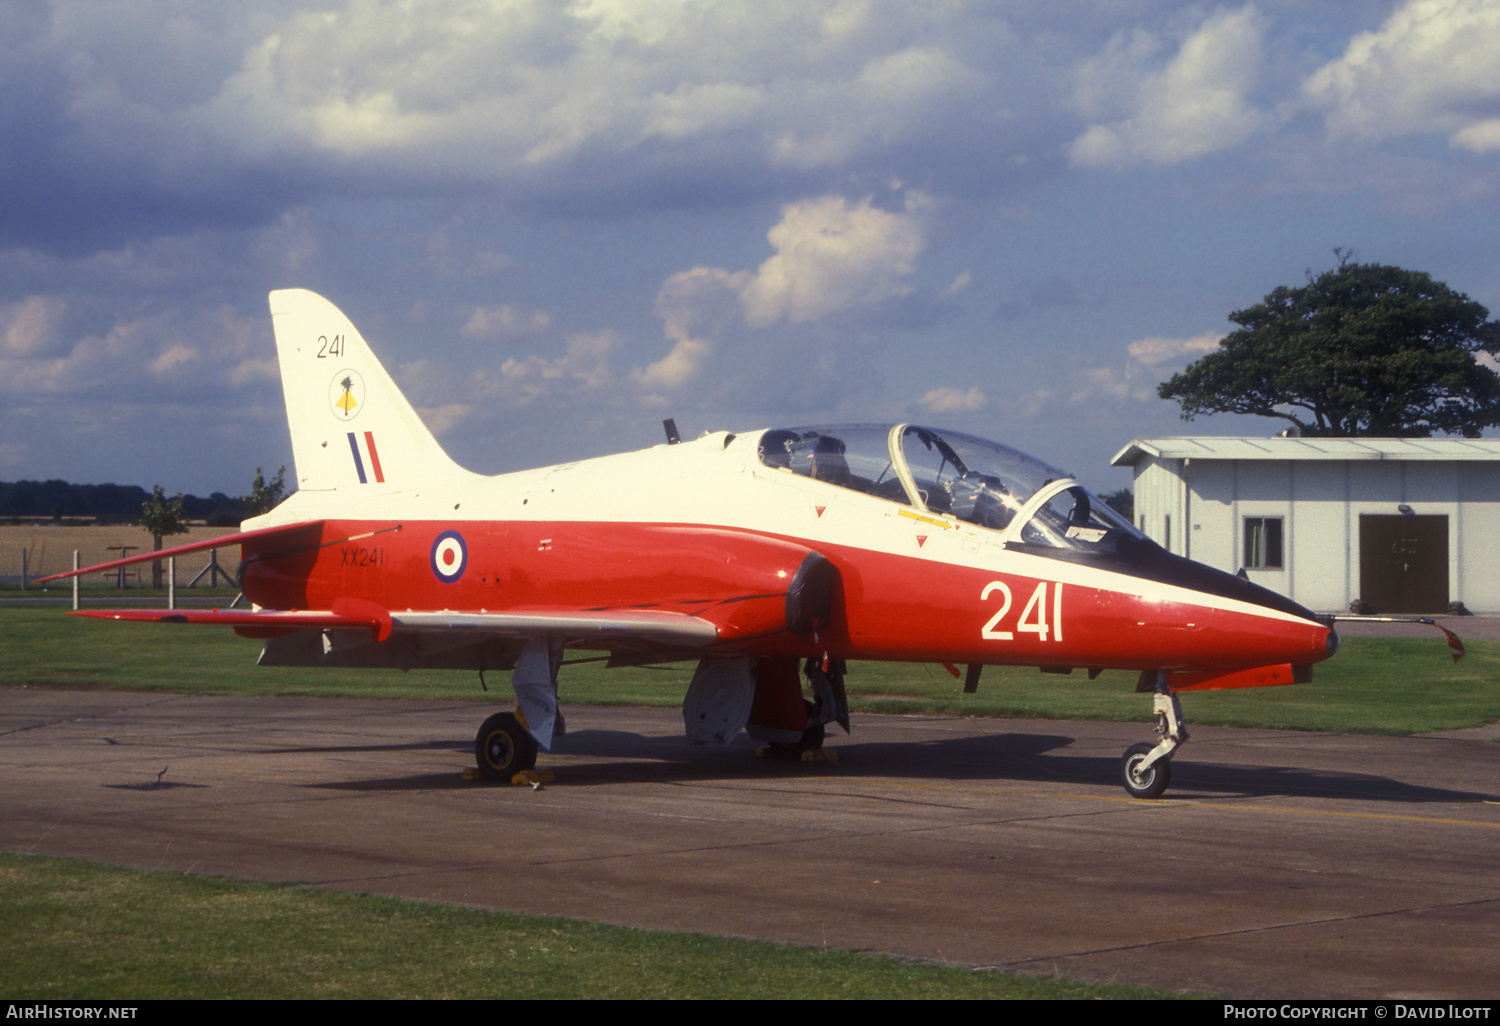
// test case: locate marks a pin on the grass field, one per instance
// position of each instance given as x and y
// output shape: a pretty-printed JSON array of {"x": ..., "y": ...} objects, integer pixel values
[
  {"x": 49, "y": 550},
  {"x": 1375, "y": 685},
  {"x": 71, "y": 930}
]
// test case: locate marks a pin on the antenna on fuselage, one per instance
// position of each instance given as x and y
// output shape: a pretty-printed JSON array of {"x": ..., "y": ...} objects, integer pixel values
[{"x": 671, "y": 427}]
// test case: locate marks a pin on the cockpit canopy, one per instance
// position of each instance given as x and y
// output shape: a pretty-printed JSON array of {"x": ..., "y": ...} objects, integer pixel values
[{"x": 945, "y": 473}]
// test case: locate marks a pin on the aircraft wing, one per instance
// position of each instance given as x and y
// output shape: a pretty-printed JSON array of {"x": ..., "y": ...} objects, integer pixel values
[
  {"x": 220, "y": 542},
  {"x": 598, "y": 628}
]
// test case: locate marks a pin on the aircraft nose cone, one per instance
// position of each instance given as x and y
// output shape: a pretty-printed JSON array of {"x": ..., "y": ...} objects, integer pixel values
[{"x": 1274, "y": 639}]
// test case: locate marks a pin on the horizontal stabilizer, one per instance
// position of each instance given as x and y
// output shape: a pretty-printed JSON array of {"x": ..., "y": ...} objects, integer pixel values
[
  {"x": 221, "y": 542},
  {"x": 263, "y": 623}
]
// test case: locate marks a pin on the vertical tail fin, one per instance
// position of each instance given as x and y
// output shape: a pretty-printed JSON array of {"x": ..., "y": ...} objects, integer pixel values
[{"x": 351, "y": 426}]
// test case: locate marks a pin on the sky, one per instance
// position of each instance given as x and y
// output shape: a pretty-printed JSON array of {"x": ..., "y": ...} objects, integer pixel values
[{"x": 558, "y": 223}]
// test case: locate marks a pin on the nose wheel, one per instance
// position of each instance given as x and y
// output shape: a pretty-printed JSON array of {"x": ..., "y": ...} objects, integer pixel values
[
  {"x": 1140, "y": 779},
  {"x": 1146, "y": 770}
]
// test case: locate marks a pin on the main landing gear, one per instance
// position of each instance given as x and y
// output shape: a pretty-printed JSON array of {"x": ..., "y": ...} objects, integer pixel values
[
  {"x": 1146, "y": 770},
  {"x": 785, "y": 724},
  {"x": 508, "y": 742}
]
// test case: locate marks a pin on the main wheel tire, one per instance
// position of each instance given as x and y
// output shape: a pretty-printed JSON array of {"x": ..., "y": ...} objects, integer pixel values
[
  {"x": 1150, "y": 783},
  {"x": 503, "y": 748},
  {"x": 812, "y": 736}
]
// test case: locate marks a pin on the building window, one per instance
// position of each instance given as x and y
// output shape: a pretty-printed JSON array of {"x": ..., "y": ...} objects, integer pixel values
[{"x": 1263, "y": 547}]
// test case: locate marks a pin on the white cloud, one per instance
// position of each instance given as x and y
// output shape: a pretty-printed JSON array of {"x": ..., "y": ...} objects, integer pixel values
[
  {"x": 290, "y": 245},
  {"x": 953, "y": 400},
  {"x": 831, "y": 256},
  {"x": 832, "y": 259},
  {"x": 677, "y": 368},
  {"x": 1148, "y": 361},
  {"x": 692, "y": 305},
  {"x": 487, "y": 90},
  {"x": 31, "y": 326},
  {"x": 1195, "y": 105},
  {"x": 1479, "y": 137},
  {"x": 693, "y": 110},
  {"x": 958, "y": 284},
  {"x": 584, "y": 365},
  {"x": 1155, "y": 350},
  {"x": 504, "y": 321},
  {"x": 449, "y": 396},
  {"x": 173, "y": 113},
  {"x": 250, "y": 371},
  {"x": 1434, "y": 66},
  {"x": 445, "y": 417},
  {"x": 175, "y": 357},
  {"x": 894, "y": 95},
  {"x": 1094, "y": 383},
  {"x": 450, "y": 255},
  {"x": 206, "y": 349}
]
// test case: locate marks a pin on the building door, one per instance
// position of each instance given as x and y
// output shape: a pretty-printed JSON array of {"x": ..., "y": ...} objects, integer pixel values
[{"x": 1403, "y": 563}]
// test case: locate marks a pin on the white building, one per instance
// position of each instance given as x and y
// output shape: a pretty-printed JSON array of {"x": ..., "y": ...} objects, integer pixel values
[{"x": 1404, "y": 524}]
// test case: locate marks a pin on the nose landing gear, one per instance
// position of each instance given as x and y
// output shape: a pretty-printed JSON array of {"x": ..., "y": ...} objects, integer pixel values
[{"x": 1146, "y": 770}]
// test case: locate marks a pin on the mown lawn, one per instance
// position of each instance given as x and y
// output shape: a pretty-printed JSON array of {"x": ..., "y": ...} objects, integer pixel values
[
  {"x": 72, "y": 930},
  {"x": 1375, "y": 685}
]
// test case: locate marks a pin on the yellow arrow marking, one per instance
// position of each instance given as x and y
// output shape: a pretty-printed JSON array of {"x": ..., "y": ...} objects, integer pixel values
[{"x": 934, "y": 521}]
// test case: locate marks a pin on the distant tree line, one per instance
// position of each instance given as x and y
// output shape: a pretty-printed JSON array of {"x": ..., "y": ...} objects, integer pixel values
[{"x": 108, "y": 502}]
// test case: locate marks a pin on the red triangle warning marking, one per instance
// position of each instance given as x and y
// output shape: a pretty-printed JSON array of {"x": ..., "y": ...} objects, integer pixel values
[
  {"x": 921, "y": 540},
  {"x": 820, "y": 510}
]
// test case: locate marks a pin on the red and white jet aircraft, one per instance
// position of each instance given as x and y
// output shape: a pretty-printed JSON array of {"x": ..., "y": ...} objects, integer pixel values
[{"x": 764, "y": 555}]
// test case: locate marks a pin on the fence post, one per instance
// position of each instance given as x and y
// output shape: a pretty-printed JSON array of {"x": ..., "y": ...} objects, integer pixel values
[
  {"x": 75, "y": 578},
  {"x": 24, "y": 554},
  {"x": 171, "y": 582}
]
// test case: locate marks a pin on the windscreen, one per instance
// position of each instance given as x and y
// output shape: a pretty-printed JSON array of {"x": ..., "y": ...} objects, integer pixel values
[{"x": 1075, "y": 518}]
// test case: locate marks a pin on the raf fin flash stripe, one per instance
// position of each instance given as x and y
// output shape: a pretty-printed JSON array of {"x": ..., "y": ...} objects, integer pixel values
[{"x": 359, "y": 463}]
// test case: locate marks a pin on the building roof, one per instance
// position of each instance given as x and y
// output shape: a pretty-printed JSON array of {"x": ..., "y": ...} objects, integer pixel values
[{"x": 1217, "y": 448}]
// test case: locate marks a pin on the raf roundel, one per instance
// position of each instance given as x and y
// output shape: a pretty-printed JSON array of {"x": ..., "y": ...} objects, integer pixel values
[{"x": 449, "y": 556}]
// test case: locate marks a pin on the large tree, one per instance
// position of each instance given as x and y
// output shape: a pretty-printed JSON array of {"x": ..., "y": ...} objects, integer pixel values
[{"x": 1363, "y": 349}]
